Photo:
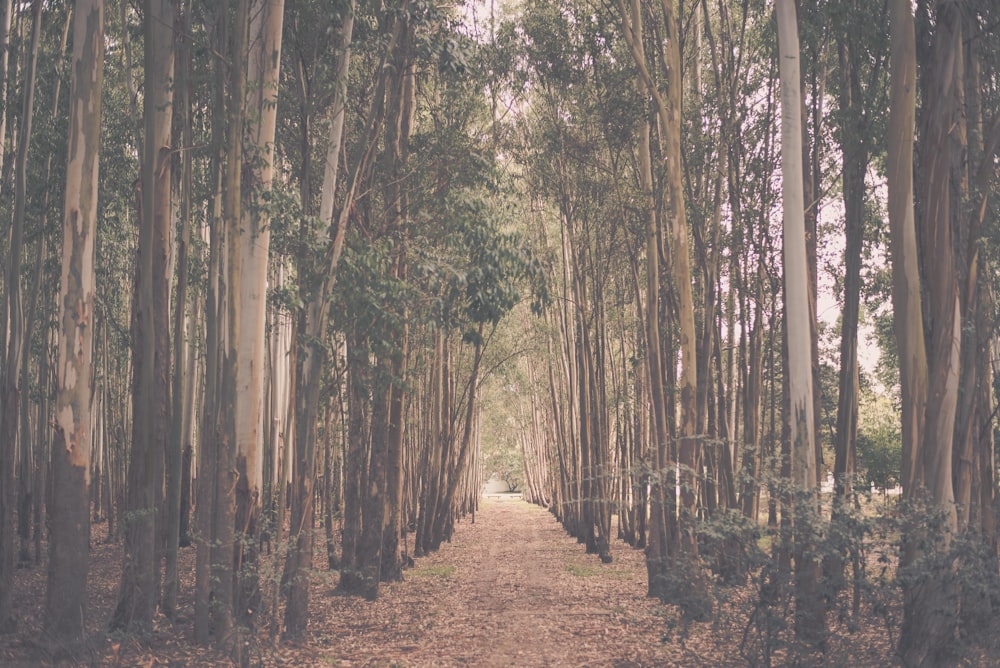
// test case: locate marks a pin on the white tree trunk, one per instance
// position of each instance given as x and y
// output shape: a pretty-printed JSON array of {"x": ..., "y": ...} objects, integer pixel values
[
  {"x": 281, "y": 410},
  {"x": 809, "y": 608},
  {"x": 255, "y": 236},
  {"x": 794, "y": 253}
]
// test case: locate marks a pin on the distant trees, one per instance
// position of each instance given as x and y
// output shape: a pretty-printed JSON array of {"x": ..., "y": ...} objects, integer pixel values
[
  {"x": 15, "y": 333},
  {"x": 879, "y": 451},
  {"x": 613, "y": 143}
]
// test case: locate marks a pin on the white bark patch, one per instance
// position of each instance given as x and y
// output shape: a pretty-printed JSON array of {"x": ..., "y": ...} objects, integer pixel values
[
  {"x": 69, "y": 376},
  {"x": 65, "y": 421}
]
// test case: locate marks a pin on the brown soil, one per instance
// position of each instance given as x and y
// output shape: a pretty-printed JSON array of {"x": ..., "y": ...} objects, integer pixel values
[{"x": 512, "y": 589}]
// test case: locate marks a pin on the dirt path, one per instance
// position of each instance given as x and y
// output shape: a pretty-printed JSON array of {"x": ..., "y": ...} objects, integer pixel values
[{"x": 511, "y": 590}]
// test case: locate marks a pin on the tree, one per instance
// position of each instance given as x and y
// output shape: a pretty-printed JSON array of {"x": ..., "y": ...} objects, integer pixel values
[
  {"x": 254, "y": 237},
  {"x": 312, "y": 328},
  {"x": 809, "y": 621},
  {"x": 228, "y": 631},
  {"x": 672, "y": 528},
  {"x": 209, "y": 504},
  {"x": 907, "y": 308},
  {"x": 929, "y": 355},
  {"x": 15, "y": 334},
  {"x": 177, "y": 478},
  {"x": 5, "y": 22},
  {"x": 854, "y": 132},
  {"x": 139, "y": 591},
  {"x": 71, "y": 450},
  {"x": 689, "y": 446}
]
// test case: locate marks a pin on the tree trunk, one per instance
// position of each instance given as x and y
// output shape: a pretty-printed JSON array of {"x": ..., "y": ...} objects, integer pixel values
[
  {"x": 658, "y": 548},
  {"x": 175, "y": 449},
  {"x": 71, "y": 452},
  {"x": 854, "y": 155},
  {"x": 394, "y": 527},
  {"x": 907, "y": 307},
  {"x": 401, "y": 110},
  {"x": 208, "y": 455},
  {"x": 358, "y": 437},
  {"x": 139, "y": 591},
  {"x": 810, "y": 624},
  {"x": 974, "y": 170},
  {"x": 312, "y": 353},
  {"x": 444, "y": 518},
  {"x": 931, "y": 603},
  {"x": 5, "y": 22},
  {"x": 254, "y": 240},
  {"x": 229, "y": 621},
  {"x": 10, "y": 386},
  {"x": 27, "y": 496}
]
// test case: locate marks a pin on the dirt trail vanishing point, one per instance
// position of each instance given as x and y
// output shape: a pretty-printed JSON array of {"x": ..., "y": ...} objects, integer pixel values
[{"x": 512, "y": 589}]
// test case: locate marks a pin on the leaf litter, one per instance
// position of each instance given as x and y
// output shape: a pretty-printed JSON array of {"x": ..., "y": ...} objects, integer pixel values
[{"x": 511, "y": 589}]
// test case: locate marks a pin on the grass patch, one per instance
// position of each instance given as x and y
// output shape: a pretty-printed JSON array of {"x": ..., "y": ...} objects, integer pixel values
[
  {"x": 527, "y": 505},
  {"x": 594, "y": 570},
  {"x": 433, "y": 571}
]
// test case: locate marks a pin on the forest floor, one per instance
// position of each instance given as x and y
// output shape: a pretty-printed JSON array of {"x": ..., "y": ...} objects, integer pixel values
[{"x": 511, "y": 589}]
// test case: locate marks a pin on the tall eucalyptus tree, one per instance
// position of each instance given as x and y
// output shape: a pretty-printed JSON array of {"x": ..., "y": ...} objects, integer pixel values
[
  {"x": 230, "y": 626},
  {"x": 672, "y": 524},
  {"x": 14, "y": 332},
  {"x": 935, "y": 281},
  {"x": 139, "y": 591},
  {"x": 263, "y": 64},
  {"x": 858, "y": 88},
  {"x": 66, "y": 596},
  {"x": 318, "y": 277},
  {"x": 5, "y": 25},
  {"x": 809, "y": 621}
]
